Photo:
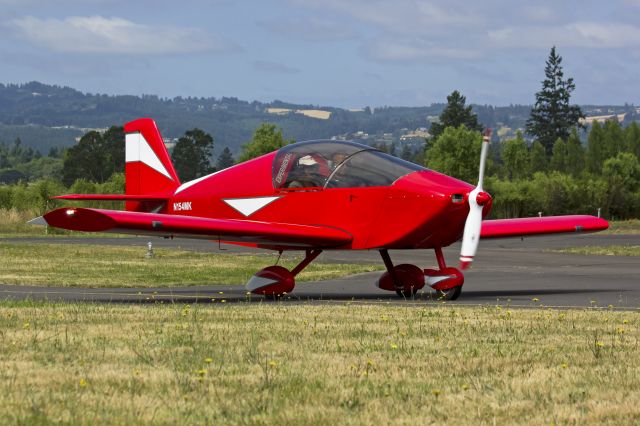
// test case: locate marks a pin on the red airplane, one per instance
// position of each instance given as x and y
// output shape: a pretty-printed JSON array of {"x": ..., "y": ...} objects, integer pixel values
[{"x": 311, "y": 196}]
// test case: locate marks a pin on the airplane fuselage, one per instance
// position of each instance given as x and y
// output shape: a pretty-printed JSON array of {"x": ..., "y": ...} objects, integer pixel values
[{"x": 423, "y": 209}]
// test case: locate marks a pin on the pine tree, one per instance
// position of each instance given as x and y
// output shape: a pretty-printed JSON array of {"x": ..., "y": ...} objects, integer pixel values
[
  {"x": 614, "y": 141},
  {"x": 552, "y": 116},
  {"x": 538, "y": 158},
  {"x": 559, "y": 156},
  {"x": 575, "y": 155},
  {"x": 225, "y": 159},
  {"x": 454, "y": 115},
  {"x": 632, "y": 138},
  {"x": 515, "y": 157},
  {"x": 596, "y": 149}
]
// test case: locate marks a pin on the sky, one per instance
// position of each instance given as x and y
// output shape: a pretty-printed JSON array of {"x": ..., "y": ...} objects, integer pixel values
[{"x": 344, "y": 53}]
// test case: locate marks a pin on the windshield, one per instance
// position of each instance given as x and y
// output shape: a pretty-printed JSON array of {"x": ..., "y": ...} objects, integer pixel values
[
  {"x": 370, "y": 168},
  {"x": 315, "y": 165}
]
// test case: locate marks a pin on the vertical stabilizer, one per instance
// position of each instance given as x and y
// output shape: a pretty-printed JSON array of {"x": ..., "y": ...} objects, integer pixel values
[{"x": 148, "y": 167}]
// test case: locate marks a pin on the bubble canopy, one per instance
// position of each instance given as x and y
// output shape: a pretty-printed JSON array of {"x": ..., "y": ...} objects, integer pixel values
[{"x": 322, "y": 164}]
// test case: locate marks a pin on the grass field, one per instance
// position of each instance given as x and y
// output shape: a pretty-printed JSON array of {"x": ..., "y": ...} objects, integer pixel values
[
  {"x": 624, "y": 227},
  {"x": 63, "y": 265},
  {"x": 602, "y": 250},
  {"x": 277, "y": 363}
]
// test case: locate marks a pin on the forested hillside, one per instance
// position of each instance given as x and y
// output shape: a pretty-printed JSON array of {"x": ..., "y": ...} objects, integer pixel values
[{"x": 44, "y": 116}]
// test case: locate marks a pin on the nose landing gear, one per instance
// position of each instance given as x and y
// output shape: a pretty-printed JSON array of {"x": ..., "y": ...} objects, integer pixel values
[{"x": 407, "y": 279}]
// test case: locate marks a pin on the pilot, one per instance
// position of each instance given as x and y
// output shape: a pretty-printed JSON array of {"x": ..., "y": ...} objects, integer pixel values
[
  {"x": 336, "y": 159},
  {"x": 306, "y": 174}
]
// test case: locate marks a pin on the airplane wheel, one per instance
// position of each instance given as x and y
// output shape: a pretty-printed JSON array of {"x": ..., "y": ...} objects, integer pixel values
[
  {"x": 412, "y": 277},
  {"x": 449, "y": 294}
]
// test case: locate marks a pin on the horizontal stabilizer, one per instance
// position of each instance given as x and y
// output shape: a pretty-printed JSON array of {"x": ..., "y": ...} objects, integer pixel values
[
  {"x": 232, "y": 230},
  {"x": 529, "y": 226}
]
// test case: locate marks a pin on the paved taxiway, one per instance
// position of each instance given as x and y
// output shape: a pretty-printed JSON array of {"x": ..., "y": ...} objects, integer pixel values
[{"x": 514, "y": 272}]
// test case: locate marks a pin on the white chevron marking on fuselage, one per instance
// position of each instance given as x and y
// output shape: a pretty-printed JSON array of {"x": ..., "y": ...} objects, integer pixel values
[{"x": 248, "y": 206}]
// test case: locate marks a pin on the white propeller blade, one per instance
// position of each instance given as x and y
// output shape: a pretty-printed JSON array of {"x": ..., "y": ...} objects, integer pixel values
[{"x": 477, "y": 198}]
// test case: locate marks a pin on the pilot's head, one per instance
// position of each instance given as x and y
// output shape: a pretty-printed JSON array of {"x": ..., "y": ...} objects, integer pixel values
[{"x": 338, "y": 158}]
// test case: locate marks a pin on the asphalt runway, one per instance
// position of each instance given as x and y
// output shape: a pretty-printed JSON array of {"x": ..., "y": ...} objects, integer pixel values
[{"x": 514, "y": 272}]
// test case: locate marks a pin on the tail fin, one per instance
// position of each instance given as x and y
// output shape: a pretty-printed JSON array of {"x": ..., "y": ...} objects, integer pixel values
[{"x": 148, "y": 168}]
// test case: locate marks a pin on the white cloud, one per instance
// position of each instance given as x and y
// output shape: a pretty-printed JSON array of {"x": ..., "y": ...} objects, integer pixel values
[
  {"x": 591, "y": 35},
  {"x": 385, "y": 49},
  {"x": 402, "y": 16},
  {"x": 308, "y": 29},
  {"x": 540, "y": 13},
  {"x": 274, "y": 67},
  {"x": 96, "y": 34}
]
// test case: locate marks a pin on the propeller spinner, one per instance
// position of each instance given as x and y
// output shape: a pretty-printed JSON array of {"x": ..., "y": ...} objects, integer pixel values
[{"x": 477, "y": 199}]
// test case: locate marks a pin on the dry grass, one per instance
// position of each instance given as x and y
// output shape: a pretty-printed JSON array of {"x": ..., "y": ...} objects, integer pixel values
[
  {"x": 315, "y": 113},
  {"x": 602, "y": 250},
  {"x": 631, "y": 226},
  {"x": 278, "y": 363},
  {"x": 13, "y": 222},
  {"x": 116, "y": 266}
]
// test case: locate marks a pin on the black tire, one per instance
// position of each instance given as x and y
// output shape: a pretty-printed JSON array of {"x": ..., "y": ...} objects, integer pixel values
[{"x": 449, "y": 294}]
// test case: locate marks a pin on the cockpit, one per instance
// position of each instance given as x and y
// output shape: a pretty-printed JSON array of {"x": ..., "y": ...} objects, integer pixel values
[{"x": 316, "y": 165}]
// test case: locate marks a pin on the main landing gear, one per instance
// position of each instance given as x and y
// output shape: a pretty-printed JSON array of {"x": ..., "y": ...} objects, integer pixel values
[
  {"x": 277, "y": 280},
  {"x": 407, "y": 279}
]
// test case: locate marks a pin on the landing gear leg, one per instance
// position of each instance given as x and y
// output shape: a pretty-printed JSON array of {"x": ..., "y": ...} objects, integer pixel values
[
  {"x": 310, "y": 257},
  {"x": 404, "y": 279}
]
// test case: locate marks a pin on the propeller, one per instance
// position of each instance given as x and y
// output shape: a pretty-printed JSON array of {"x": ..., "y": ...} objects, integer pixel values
[{"x": 477, "y": 199}]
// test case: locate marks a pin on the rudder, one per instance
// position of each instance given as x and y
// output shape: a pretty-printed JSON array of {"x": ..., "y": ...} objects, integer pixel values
[{"x": 148, "y": 167}]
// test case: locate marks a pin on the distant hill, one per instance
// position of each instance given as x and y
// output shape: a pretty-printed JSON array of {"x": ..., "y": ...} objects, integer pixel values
[{"x": 45, "y": 115}]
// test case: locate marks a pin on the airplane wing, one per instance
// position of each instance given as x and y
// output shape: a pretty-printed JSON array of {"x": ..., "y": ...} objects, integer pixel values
[
  {"x": 529, "y": 226},
  {"x": 231, "y": 230},
  {"x": 113, "y": 197}
]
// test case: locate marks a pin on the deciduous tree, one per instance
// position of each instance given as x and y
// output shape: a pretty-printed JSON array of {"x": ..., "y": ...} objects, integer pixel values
[
  {"x": 266, "y": 138},
  {"x": 191, "y": 155},
  {"x": 456, "y": 152},
  {"x": 95, "y": 157}
]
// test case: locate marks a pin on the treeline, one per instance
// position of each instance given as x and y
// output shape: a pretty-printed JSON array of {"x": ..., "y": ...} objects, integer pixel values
[
  {"x": 21, "y": 163},
  {"x": 35, "y": 197},
  {"x": 556, "y": 174},
  {"x": 575, "y": 179},
  {"x": 604, "y": 174}
]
